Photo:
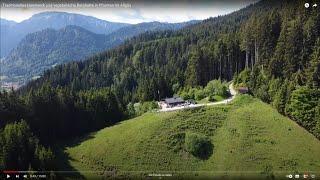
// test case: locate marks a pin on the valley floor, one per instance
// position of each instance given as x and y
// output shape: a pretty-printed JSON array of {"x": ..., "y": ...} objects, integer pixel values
[{"x": 249, "y": 138}]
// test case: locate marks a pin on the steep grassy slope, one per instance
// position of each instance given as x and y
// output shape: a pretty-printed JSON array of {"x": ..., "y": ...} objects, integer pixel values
[{"x": 248, "y": 137}]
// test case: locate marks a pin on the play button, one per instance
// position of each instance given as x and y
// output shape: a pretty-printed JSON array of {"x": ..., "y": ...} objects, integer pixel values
[{"x": 8, "y": 176}]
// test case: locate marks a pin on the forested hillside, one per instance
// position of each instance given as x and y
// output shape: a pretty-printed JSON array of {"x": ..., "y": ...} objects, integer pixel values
[
  {"x": 160, "y": 57},
  {"x": 272, "y": 47},
  {"x": 275, "y": 43},
  {"x": 42, "y": 50},
  {"x": 127, "y": 32},
  {"x": 45, "y": 49}
]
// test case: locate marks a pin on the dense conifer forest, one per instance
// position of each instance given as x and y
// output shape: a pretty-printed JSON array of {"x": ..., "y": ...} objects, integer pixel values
[{"x": 272, "y": 47}]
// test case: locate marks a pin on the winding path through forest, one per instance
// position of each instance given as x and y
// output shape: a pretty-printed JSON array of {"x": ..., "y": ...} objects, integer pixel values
[{"x": 232, "y": 91}]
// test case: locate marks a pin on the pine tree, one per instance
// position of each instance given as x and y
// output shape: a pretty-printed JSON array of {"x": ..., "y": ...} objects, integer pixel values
[
  {"x": 313, "y": 71},
  {"x": 293, "y": 48},
  {"x": 277, "y": 63},
  {"x": 281, "y": 98},
  {"x": 302, "y": 106},
  {"x": 193, "y": 71},
  {"x": 17, "y": 146}
]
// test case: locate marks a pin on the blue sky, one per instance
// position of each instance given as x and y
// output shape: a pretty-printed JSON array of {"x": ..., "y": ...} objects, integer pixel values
[{"x": 136, "y": 12}]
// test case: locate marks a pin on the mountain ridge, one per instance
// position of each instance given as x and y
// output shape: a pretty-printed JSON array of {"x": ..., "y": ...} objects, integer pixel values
[
  {"x": 11, "y": 35},
  {"x": 13, "y": 64},
  {"x": 50, "y": 47}
]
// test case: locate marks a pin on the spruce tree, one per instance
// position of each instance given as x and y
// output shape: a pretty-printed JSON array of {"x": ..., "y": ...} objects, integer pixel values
[
  {"x": 193, "y": 71},
  {"x": 313, "y": 71},
  {"x": 281, "y": 97}
]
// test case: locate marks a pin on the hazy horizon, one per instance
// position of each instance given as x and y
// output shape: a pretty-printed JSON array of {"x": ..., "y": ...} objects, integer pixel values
[{"x": 132, "y": 13}]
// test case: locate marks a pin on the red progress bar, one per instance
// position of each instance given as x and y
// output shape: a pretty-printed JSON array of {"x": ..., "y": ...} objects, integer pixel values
[{"x": 10, "y": 172}]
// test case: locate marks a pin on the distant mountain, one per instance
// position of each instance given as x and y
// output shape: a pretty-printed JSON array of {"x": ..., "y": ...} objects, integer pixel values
[
  {"x": 7, "y": 23},
  {"x": 133, "y": 30},
  {"x": 7, "y": 36},
  {"x": 119, "y": 36},
  {"x": 57, "y": 20},
  {"x": 12, "y": 33},
  {"x": 44, "y": 49}
]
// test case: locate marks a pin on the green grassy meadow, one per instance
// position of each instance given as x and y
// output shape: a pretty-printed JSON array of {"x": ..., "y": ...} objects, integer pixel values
[
  {"x": 249, "y": 137},
  {"x": 206, "y": 99}
]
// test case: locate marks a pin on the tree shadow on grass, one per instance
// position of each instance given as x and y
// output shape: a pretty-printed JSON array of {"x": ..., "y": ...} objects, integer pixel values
[
  {"x": 64, "y": 169},
  {"x": 199, "y": 145},
  {"x": 205, "y": 152}
]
